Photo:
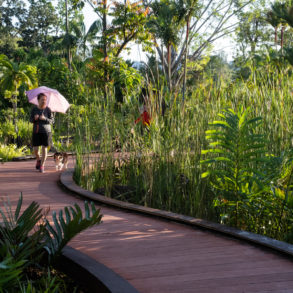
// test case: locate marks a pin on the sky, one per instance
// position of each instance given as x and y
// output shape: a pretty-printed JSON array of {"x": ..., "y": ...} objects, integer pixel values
[{"x": 224, "y": 45}]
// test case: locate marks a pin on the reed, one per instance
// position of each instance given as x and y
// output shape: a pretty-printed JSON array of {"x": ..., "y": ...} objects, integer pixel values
[{"x": 162, "y": 164}]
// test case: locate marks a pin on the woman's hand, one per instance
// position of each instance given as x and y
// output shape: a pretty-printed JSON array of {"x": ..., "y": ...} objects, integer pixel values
[
  {"x": 37, "y": 117},
  {"x": 42, "y": 117}
]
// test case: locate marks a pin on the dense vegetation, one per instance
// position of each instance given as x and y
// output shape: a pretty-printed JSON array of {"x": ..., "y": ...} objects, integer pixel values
[{"x": 220, "y": 138}]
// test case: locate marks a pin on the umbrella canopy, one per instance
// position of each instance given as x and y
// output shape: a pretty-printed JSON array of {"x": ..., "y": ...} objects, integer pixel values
[{"x": 55, "y": 101}]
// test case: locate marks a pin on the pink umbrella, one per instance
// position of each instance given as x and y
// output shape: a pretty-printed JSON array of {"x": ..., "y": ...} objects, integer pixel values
[{"x": 55, "y": 101}]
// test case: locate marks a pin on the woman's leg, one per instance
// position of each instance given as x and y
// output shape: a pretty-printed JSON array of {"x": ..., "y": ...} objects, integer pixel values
[
  {"x": 44, "y": 155},
  {"x": 36, "y": 152}
]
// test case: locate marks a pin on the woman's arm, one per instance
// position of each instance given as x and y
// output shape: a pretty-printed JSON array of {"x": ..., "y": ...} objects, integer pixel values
[
  {"x": 32, "y": 117},
  {"x": 50, "y": 118}
]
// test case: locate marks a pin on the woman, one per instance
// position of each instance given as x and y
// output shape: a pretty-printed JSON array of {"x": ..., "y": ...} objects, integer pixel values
[{"x": 42, "y": 118}]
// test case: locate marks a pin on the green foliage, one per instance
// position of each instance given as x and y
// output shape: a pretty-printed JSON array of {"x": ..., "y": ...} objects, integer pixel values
[
  {"x": 129, "y": 24},
  {"x": 167, "y": 21},
  {"x": 117, "y": 70},
  {"x": 26, "y": 235},
  {"x": 236, "y": 147},
  {"x": 11, "y": 12},
  {"x": 235, "y": 153},
  {"x": 14, "y": 75},
  {"x": 253, "y": 190},
  {"x": 66, "y": 228},
  {"x": 55, "y": 73},
  {"x": 8, "y": 152},
  {"x": 37, "y": 25},
  {"x": 15, "y": 233},
  {"x": 8, "y": 134},
  {"x": 10, "y": 270}
]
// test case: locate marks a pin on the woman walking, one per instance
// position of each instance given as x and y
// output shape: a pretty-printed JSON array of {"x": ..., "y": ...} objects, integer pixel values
[{"x": 41, "y": 117}]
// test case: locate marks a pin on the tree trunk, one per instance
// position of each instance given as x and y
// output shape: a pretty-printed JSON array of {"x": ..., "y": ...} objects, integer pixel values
[
  {"x": 104, "y": 38},
  {"x": 14, "y": 105},
  {"x": 185, "y": 63},
  {"x": 252, "y": 47},
  {"x": 282, "y": 38},
  {"x": 169, "y": 67},
  {"x": 67, "y": 33}
]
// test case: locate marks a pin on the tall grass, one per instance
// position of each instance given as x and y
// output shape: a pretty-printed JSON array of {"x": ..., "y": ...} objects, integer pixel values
[{"x": 162, "y": 167}]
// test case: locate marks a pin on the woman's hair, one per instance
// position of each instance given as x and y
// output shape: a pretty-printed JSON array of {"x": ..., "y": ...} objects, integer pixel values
[{"x": 41, "y": 95}]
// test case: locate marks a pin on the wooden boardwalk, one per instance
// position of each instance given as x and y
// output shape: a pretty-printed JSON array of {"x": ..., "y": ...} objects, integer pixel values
[{"x": 156, "y": 255}]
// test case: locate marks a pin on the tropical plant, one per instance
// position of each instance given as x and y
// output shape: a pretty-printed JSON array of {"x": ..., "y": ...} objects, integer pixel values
[
  {"x": 282, "y": 190},
  {"x": 235, "y": 154},
  {"x": 10, "y": 151},
  {"x": 25, "y": 236},
  {"x": 83, "y": 36},
  {"x": 179, "y": 24},
  {"x": 281, "y": 15},
  {"x": 65, "y": 229},
  {"x": 10, "y": 270},
  {"x": 14, "y": 75}
]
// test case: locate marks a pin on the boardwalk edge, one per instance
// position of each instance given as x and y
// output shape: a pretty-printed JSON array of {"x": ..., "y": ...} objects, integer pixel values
[
  {"x": 67, "y": 181},
  {"x": 99, "y": 278}
]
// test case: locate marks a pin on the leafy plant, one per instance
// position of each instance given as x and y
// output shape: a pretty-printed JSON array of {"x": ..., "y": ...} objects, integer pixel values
[
  {"x": 66, "y": 228},
  {"x": 10, "y": 270},
  {"x": 26, "y": 236},
  {"x": 14, "y": 233},
  {"x": 235, "y": 153},
  {"x": 8, "y": 152}
]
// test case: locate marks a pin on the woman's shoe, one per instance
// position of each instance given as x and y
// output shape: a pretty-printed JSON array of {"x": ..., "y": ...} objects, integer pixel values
[
  {"x": 38, "y": 165},
  {"x": 42, "y": 170}
]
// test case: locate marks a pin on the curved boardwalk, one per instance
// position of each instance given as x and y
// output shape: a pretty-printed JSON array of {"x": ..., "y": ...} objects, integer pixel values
[{"x": 156, "y": 255}]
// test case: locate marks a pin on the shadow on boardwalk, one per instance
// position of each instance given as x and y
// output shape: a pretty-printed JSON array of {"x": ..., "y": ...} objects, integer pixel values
[{"x": 156, "y": 255}]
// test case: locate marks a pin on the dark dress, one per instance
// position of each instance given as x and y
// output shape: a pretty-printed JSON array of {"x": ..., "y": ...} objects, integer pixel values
[{"x": 42, "y": 133}]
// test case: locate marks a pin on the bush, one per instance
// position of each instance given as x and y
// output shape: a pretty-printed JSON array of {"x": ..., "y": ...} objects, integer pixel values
[
  {"x": 8, "y": 134},
  {"x": 8, "y": 152}
]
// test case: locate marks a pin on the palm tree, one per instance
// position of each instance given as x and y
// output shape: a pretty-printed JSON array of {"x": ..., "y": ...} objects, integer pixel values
[
  {"x": 285, "y": 15},
  {"x": 274, "y": 21},
  {"x": 167, "y": 21},
  {"x": 82, "y": 36},
  {"x": 170, "y": 17},
  {"x": 14, "y": 75}
]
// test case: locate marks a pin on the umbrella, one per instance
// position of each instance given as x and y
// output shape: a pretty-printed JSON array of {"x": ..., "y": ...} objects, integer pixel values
[{"x": 55, "y": 101}]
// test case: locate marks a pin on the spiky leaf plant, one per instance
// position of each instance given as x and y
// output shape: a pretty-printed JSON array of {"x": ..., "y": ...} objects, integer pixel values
[
  {"x": 10, "y": 270},
  {"x": 234, "y": 157},
  {"x": 15, "y": 232},
  {"x": 65, "y": 229},
  {"x": 26, "y": 235}
]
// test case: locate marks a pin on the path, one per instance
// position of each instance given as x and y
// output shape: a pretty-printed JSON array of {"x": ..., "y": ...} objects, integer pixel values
[{"x": 155, "y": 255}]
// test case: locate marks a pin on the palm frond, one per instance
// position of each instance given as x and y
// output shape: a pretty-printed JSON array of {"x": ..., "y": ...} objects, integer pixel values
[
  {"x": 10, "y": 270},
  {"x": 66, "y": 228}
]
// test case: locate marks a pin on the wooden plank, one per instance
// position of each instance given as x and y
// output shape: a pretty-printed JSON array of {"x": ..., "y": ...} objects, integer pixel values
[{"x": 153, "y": 255}]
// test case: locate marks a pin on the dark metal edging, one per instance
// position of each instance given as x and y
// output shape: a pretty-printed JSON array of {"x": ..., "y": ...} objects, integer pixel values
[
  {"x": 96, "y": 276},
  {"x": 67, "y": 181}
]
